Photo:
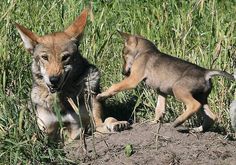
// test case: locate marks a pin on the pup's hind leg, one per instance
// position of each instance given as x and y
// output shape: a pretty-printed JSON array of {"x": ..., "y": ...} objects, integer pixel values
[
  {"x": 208, "y": 116},
  {"x": 208, "y": 119},
  {"x": 192, "y": 105},
  {"x": 160, "y": 108}
]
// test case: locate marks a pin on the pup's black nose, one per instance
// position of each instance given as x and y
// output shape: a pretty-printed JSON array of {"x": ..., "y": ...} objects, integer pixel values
[
  {"x": 54, "y": 80},
  {"x": 126, "y": 73}
]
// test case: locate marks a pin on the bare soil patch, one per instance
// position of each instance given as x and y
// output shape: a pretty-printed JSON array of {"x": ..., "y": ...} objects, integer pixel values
[{"x": 150, "y": 147}]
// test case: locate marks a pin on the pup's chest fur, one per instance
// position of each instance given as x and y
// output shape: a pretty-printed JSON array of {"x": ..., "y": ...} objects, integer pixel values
[
  {"x": 81, "y": 91},
  {"x": 77, "y": 87}
]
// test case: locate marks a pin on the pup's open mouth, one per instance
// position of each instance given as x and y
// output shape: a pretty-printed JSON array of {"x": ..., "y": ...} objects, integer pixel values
[
  {"x": 57, "y": 88},
  {"x": 52, "y": 89}
]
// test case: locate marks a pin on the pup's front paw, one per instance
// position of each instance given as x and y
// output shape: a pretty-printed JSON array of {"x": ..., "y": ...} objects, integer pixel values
[
  {"x": 118, "y": 126},
  {"x": 114, "y": 125}
]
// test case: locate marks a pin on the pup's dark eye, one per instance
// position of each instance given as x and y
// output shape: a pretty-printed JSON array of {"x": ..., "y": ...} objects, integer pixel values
[
  {"x": 65, "y": 57},
  {"x": 45, "y": 57}
]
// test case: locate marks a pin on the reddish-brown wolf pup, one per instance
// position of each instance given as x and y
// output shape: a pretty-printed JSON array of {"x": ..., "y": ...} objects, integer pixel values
[
  {"x": 60, "y": 72},
  {"x": 169, "y": 75}
]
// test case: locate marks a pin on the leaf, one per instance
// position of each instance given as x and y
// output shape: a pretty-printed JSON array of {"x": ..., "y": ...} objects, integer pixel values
[{"x": 129, "y": 150}]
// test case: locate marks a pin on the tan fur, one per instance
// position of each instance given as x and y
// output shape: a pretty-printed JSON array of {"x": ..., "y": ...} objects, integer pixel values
[
  {"x": 61, "y": 73},
  {"x": 168, "y": 75}
]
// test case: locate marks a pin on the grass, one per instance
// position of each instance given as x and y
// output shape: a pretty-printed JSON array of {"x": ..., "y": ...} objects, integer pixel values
[{"x": 202, "y": 32}]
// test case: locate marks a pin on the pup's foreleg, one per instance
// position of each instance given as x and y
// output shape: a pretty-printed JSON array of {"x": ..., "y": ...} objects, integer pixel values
[
  {"x": 126, "y": 84},
  {"x": 47, "y": 121}
]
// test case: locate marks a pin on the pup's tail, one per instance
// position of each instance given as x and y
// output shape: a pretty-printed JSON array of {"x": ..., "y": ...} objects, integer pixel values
[{"x": 211, "y": 73}]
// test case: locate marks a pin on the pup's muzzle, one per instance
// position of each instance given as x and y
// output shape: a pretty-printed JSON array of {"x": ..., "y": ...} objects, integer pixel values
[
  {"x": 55, "y": 83},
  {"x": 54, "y": 80}
]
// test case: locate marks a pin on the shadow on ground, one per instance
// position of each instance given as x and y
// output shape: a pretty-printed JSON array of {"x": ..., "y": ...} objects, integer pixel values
[{"x": 120, "y": 110}]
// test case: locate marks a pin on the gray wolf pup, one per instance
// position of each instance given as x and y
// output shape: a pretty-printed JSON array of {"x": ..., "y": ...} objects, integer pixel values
[
  {"x": 60, "y": 72},
  {"x": 189, "y": 83}
]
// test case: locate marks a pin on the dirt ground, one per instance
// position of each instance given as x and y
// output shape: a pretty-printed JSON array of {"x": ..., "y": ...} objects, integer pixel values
[{"x": 168, "y": 147}]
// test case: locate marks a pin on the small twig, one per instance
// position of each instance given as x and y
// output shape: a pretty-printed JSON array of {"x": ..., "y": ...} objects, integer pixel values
[
  {"x": 91, "y": 11},
  {"x": 166, "y": 138},
  {"x": 9, "y": 9},
  {"x": 83, "y": 141},
  {"x": 158, "y": 135},
  {"x": 82, "y": 132},
  {"x": 217, "y": 53},
  {"x": 76, "y": 109},
  {"x": 106, "y": 144},
  {"x": 105, "y": 133},
  {"x": 159, "y": 125},
  {"x": 194, "y": 134}
]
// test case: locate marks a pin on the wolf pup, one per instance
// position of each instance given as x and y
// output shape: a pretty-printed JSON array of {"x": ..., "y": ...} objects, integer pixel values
[
  {"x": 189, "y": 83},
  {"x": 60, "y": 72}
]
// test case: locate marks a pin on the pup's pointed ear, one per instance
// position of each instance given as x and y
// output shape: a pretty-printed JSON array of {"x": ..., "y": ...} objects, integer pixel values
[
  {"x": 77, "y": 27},
  {"x": 124, "y": 35},
  {"x": 130, "y": 40},
  {"x": 29, "y": 38}
]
